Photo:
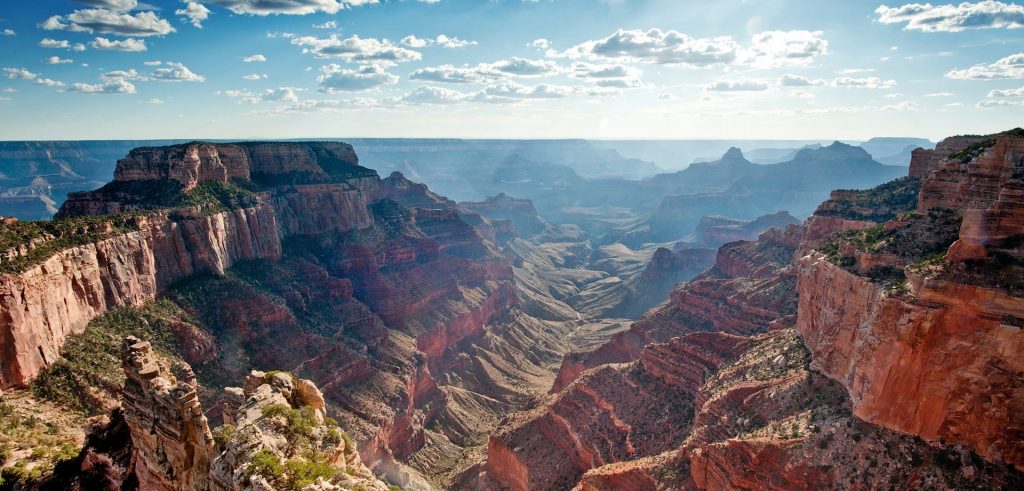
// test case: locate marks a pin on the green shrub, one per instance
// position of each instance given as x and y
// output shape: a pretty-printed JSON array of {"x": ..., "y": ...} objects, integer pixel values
[
  {"x": 292, "y": 474},
  {"x": 223, "y": 433}
]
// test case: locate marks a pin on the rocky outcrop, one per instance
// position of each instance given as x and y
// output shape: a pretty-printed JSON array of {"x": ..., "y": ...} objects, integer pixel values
[
  {"x": 276, "y": 432},
  {"x": 520, "y": 212},
  {"x": 715, "y": 235},
  {"x": 924, "y": 161},
  {"x": 45, "y": 303},
  {"x": 172, "y": 444}
]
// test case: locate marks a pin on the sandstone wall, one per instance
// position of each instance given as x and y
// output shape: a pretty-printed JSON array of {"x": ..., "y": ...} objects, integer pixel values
[
  {"x": 944, "y": 367},
  {"x": 44, "y": 304}
]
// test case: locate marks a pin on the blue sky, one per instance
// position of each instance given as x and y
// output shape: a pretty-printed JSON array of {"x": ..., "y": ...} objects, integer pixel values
[{"x": 646, "y": 69}]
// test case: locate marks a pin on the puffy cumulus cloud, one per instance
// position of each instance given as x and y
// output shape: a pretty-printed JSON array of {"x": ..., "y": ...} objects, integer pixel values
[
  {"x": 288, "y": 7},
  {"x": 785, "y": 48},
  {"x": 441, "y": 40},
  {"x": 657, "y": 46},
  {"x": 195, "y": 12},
  {"x": 47, "y": 82},
  {"x": 131, "y": 45},
  {"x": 1018, "y": 92},
  {"x": 356, "y": 49},
  {"x": 255, "y": 76},
  {"x": 790, "y": 80},
  {"x": 56, "y": 60},
  {"x": 54, "y": 43},
  {"x": 335, "y": 78},
  {"x": 435, "y": 95},
  {"x": 105, "y": 86},
  {"x": 953, "y": 18},
  {"x": 522, "y": 67},
  {"x": 326, "y": 25},
  {"x": 766, "y": 49},
  {"x": 741, "y": 85},
  {"x": 254, "y": 59},
  {"x": 176, "y": 72},
  {"x": 1009, "y": 67},
  {"x": 110, "y": 22},
  {"x": 282, "y": 94},
  {"x": 864, "y": 83},
  {"x": 451, "y": 74},
  {"x": 8, "y": 32},
  {"x": 19, "y": 74}
]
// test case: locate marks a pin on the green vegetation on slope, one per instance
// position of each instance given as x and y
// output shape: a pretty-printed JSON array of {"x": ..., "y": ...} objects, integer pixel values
[
  {"x": 89, "y": 369},
  {"x": 32, "y": 242}
]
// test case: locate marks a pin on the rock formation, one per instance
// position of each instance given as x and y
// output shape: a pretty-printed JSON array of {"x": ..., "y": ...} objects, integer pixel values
[
  {"x": 276, "y": 432},
  {"x": 931, "y": 345}
]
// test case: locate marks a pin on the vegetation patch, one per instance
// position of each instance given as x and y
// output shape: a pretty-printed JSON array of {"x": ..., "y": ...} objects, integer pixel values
[
  {"x": 879, "y": 204},
  {"x": 88, "y": 373},
  {"x": 27, "y": 243},
  {"x": 35, "y": 436},
  {"x": 972, "y": 151}
]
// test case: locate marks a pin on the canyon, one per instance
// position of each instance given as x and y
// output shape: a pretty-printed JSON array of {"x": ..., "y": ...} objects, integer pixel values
[{"x": 513, "y": 343}]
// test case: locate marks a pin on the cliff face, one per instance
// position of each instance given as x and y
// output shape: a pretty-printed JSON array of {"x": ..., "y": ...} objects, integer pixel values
[
  {"x": 932, "y": 348},
  {"x": 42, "y": 305}
]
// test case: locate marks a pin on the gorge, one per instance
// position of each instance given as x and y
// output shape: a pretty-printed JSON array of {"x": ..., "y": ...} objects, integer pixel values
[{"x": 512, "y": 343}]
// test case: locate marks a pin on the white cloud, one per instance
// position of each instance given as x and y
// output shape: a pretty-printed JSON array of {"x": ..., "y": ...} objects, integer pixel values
[
  {"x": 254, "y": 59},
  {"x": 741, "y": 85},
  {"x": 866, "y": 82},
  {"x": 8, "y": 32},
  {"x": 54, "y": 43},
  {"x": 356, "y": 49},
  {"x": 987, "y": 103},
  {"x": 1018, "y": 92},
  {"x": 154, "y": 101},
  {"x": 435, "y": 95},
  {"x": 1008, "y": 67},
  {"x": 509, "y": 92},
  {"x": 255, "y": 76},
  {"x": 441, "y": 40},
  {"x": 657, "y": 46},
  {"x": 111, "y": 86},
  {"x": 196, "y": 13},
  {"x": 49, "y": 82},
  {"x": 281, "y": 94},
  {"x": 110, "y": 22},
  {"x": 152, "y": 63},
  {"x": 541, "y": 44},
  {"x": 334, "y": 78},
  {"x": 766, "y": 49},
  {"x": 326, "y": 25},
  {"x": 487, "y": 72},
  {"x": 176, "y": 72},
  {"x": 589, "y": 70},
  {"x": 785, "y": 48},
  {"x": 56, "y": 60},
  {"x": 19, "y": 74},
  {"x": 131, "y": 45},
  {"x": 789, "y": 80},
  {"x": 926, "y": 17},
  {"x": 452, "y": 74},
  {"x": 940, "y": 94},
  {"x": 287, "y": 7}
]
